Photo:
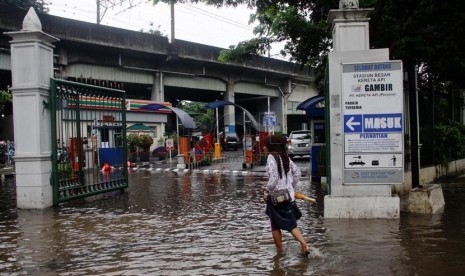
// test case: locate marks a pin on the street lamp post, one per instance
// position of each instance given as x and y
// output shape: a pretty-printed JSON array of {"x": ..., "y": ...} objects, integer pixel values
[
  {"x": 177, "y": 125},
  {"x": 177, "y": 131},
  {"x": 217, "y": 144}
]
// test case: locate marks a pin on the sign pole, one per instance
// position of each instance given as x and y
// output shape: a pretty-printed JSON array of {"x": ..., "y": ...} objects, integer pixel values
[
  {"x": 217, "y": 127},
  {"x": 218, "y": 142},
  {"x": 169, "y": 146},
  {"x": 268, "y": 118},
  {"x": 243, "y": 136},
  {"x": 177, "y": 131}
]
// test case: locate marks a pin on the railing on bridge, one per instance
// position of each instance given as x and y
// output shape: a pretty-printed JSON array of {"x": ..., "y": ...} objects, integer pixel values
[{"x": 89, "y": 150}]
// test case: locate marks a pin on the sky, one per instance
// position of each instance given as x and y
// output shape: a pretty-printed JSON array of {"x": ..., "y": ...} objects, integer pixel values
[{"x": 195, "y": 23}]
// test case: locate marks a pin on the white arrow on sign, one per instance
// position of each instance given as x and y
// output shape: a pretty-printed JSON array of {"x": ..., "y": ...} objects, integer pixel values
[{"x": 350, "y": 123}]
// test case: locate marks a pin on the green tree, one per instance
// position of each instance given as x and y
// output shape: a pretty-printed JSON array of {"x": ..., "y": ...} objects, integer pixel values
[
  {"x": 5, "y": 103},
  {"x": 5, "y": 97},
  {"x": 430, "y": 33},
  {"x": 39, "y": 5},
  {"x": 300, "y": 24},
  {"x": 203, "y": 117}
]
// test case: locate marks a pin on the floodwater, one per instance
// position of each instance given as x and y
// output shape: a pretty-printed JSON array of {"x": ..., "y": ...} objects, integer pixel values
[{"x": 213, "y": 224}]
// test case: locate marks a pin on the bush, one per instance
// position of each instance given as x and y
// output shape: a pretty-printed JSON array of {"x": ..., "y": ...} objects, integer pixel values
[
  {"x": 145, "y": 141},
  {"x": 449, "y": 143},
  {"x": 206, "y": 160},
  {"x": 64, "y": 171},
  {"x": 133, "y": 141}
]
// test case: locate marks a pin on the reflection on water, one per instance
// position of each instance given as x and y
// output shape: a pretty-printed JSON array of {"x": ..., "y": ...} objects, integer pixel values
[{"x": 209, "y": 224}]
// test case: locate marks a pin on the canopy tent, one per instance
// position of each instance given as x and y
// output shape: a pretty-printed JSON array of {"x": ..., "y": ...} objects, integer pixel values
[
  {"x": 139, "y": 127},
  {"x": 310, "y": 107},
  {"x": 222, "y": 103},
  {"x": 186, "y": 120}
]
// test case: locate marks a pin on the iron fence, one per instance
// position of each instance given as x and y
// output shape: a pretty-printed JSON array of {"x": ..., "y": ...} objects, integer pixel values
[{"x": 89, "y": 153}]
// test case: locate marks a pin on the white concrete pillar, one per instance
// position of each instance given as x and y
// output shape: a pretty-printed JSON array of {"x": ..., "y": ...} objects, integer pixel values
[
  {"x": 31, "y": 70},
  {"x": 229, "y": 110}
]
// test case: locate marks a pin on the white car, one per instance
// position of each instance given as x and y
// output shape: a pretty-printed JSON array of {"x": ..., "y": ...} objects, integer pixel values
[{"x": 299, "y": 143}]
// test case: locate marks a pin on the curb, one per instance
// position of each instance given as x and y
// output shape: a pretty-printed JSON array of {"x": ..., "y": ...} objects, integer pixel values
[
  {"x": 200, "y": 171},
  {"x": 207, "y": 171}
]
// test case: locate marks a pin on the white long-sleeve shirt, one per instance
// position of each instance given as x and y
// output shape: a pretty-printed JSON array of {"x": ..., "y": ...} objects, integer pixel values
[{"x": 287, "y": 182}]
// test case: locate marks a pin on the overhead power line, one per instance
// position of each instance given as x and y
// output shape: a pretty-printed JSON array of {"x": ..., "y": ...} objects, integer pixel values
[
  {"x": 122, "y": 6},
  {"x": 110, "y": 4},
  {"x": 215, "y": 16}
]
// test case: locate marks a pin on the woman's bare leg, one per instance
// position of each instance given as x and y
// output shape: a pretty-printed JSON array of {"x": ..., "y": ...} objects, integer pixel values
[
  {"x": 278, "y": 240},
  {"x": 298, "y": 236}
]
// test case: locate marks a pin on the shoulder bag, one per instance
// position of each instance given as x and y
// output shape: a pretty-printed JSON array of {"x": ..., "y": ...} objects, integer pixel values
[{"x": 280, "y": 196}]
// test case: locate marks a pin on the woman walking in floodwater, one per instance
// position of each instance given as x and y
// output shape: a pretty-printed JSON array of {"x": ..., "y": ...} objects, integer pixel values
[{"x": 279, "y": 194}]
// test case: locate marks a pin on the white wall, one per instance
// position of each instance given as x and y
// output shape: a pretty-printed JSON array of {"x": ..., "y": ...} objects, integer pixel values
[{"x": 430, "y": 175}]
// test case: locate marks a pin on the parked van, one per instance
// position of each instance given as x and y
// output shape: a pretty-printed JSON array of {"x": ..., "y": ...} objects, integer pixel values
[{"x": 299, "y": 143}]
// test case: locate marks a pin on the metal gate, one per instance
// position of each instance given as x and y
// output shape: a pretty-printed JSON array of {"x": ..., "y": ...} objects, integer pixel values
[{"x": 88, "y": 140}]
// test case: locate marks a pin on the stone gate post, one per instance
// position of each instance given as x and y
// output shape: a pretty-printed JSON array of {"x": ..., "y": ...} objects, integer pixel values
[
  {"x": 354, "y": 193},
  {"x": 31, "y": 70}
]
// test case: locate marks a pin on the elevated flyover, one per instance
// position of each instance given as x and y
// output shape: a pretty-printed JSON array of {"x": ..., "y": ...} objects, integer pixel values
[{"x": 148, "y": 67}]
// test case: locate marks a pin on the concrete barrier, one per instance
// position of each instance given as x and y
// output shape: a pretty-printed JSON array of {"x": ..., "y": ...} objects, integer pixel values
[{"x": 427, "y": 199}]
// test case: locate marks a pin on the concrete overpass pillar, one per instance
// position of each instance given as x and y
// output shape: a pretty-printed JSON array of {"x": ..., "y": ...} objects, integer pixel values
[
  {"x": 31, "y": 70},
  {"x": 157, "y": 88},
  {"x": 285, "y": 96},
  {"x": 229, "y": 111},
  {"x": 158, "y": 95}
]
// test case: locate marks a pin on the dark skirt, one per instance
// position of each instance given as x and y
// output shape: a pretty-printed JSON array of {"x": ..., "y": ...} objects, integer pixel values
[{"x": 284, "y": 215}]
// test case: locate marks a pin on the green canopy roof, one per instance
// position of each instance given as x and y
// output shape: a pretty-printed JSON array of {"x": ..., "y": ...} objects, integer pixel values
[{"x": 139, "y": 127}]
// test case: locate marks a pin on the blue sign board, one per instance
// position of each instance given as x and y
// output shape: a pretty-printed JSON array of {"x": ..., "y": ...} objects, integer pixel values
[
  {"x": 353, "y": 123},
  {"x": 373, "y": 123},
  {"x": 269, "y": 120}
]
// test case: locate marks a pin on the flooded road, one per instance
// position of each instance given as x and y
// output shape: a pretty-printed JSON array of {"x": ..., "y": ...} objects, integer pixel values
[{"x": 213, "y": 224}]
